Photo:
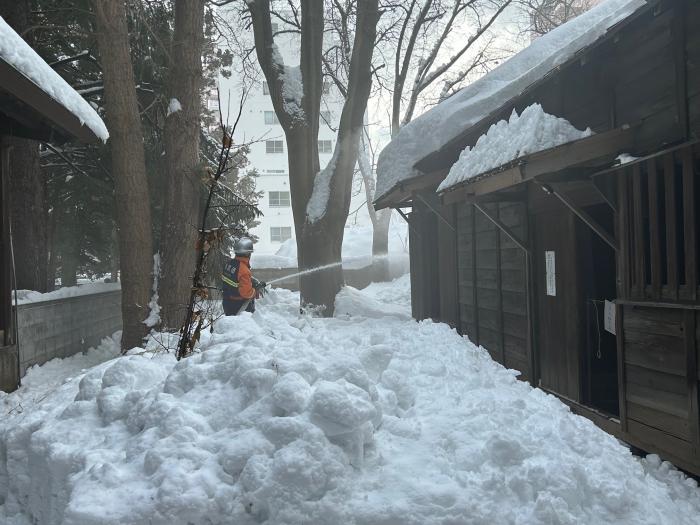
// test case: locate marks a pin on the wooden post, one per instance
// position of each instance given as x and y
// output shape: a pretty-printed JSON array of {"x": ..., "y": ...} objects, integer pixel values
[
  {"x": 671, "y": 239},
  {"x": 689, "y": 320},
  {"x": 689, "y": 232},
  {"x": 621, "y": 376},
  {"x": 654, "y": 226},
  {"x": 638, "y": 256}
]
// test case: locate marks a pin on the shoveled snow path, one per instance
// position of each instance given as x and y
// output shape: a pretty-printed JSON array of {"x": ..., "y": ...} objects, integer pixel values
[{"x": 360, "y": 419}]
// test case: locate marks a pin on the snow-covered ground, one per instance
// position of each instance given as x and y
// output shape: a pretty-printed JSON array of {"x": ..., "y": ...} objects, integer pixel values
[{"x": 366, "y": 418}]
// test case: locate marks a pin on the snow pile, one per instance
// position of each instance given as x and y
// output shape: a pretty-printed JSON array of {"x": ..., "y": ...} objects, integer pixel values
[
  {"x": 23, "y": 58},
  {"x": 174, "y": 106},
  {"x": 40, "y": 381},
  {"x": 30, "y": 296},
  {"x": 507, "y": 140},
  {"x": 448, "y": 120},
  {"x": 289, "y": 419}
]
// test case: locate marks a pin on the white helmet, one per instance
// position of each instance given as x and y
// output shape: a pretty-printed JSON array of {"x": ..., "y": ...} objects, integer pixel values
[{"x": 243, "y": 246}]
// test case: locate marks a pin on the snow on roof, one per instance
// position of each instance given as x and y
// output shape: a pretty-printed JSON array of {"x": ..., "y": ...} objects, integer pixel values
[
  {"x": 17, "y": 53},
  {"x": 447, "y": 120},
  {"x": 507, "y": 140}
]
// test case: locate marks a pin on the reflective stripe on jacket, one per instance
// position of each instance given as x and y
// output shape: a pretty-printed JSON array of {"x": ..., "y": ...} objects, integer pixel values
[{"x": 237, "y": 279}]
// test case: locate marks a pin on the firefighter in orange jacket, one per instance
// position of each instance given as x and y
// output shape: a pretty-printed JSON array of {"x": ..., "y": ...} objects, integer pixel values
[{"x": 240, "y": 287}]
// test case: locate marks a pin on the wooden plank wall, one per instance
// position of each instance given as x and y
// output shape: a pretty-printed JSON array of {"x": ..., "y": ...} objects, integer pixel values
[
  {"x": 658, "y": 202},
  {"x": 661, "y": 389},
  {"x": 447, "y": 265},
  {"x": 423, "y": 251},
  {"x": 693, "y": 65},
  {"x": 466, "y": 268},
  {"x": 492, "y": 283},
  {"x": 514, "y": 289}
]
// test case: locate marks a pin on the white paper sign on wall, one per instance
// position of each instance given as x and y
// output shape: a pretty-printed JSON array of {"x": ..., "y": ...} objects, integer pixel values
[
  {"x": 549, "y": 261},
  {"x": 610, "y": 317}
]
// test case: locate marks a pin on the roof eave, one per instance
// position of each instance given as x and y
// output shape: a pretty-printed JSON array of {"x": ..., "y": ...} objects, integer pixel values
[{"x": 50, "y": 113}]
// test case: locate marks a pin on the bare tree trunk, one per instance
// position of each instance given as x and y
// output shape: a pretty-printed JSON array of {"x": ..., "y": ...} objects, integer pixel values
[
  {"x": 182, "y": 203},
  {"x": 319, "y": 234},
  {"x": 27, "y": 190},
  {"x": 128, "y": 168}
]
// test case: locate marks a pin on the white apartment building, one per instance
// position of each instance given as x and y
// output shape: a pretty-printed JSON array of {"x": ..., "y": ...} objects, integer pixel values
[{"x": 268, "y": 154}]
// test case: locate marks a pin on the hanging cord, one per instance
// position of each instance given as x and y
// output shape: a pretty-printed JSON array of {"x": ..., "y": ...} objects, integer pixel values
[
  {"x": 14, "y": 310},
  {"x": 595, "y": 302}
]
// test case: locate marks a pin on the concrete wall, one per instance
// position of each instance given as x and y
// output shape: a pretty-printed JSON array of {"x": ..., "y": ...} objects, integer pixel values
[{"x": 64, "y": 327}]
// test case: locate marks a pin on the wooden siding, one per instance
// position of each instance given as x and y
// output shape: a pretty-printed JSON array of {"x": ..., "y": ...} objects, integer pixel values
[
  {"x": 661, "y": 379},
  {"x": 492, "y": 283},
  {"x": 692, "y": 50}
]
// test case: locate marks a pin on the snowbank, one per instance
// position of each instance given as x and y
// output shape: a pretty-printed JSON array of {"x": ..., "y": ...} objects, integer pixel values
[
  {"x": 30, "y": 296},
  {"x": 357, "y": 248},
  {"x": 23, "y": 58},
  {"x": 507, "y": 140},
  {"x": 289, "y": 419},
  {"x": 447, "y": 120}
]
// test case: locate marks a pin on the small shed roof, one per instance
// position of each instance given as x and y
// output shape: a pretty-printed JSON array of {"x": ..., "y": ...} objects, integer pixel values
[
  {"x": 495, "y": 90},
  {"x": 38, "y": 101}
]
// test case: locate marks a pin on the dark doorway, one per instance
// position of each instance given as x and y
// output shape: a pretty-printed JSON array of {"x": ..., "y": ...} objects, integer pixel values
[{"x": 597, "y": 263}]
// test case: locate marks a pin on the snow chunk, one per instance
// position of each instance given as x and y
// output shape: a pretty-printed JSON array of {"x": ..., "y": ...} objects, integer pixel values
[
  {"x": 447, "y": 120},
  {"x": 507, "y": 140},
  {"x": 625, "y": 158},
  {"x": 24, "y": 59},
  {"x": 153, "y": 307},
  {"x": 174, "y": 106},
  {"x": 318, "y": 203},
  {"x": 292, "y": 85}
]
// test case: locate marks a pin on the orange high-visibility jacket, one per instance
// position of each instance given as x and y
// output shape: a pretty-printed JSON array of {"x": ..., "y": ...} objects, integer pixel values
[{"x": 238, "y": 283}]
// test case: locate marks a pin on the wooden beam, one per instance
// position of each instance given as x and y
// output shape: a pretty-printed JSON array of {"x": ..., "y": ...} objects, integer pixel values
[
  {"x": 436, "y": 212},
  {"x": 519, "y": 195},
  {"x": 585, "y": 217},
  {"x": 607, "y": 191},
  {"x": 505, "y": 229}
]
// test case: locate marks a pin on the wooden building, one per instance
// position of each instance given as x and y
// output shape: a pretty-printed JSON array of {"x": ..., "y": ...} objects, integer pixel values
[
  {"x": 34, "y": 103},
  {"x": 529, "y": 253}
]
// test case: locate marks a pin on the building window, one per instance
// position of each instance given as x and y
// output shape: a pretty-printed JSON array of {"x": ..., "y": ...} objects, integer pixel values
[
  {"x": 326, "y": 117},
  {"x": 325, "y": 146},
  {"x": 280, "y": 233},
  {"x": 271, "y": 118},
  {"x": 266, "y": 88},
  {"x": 274, "y": 146},
  {"x": 279, "y": 199}
]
